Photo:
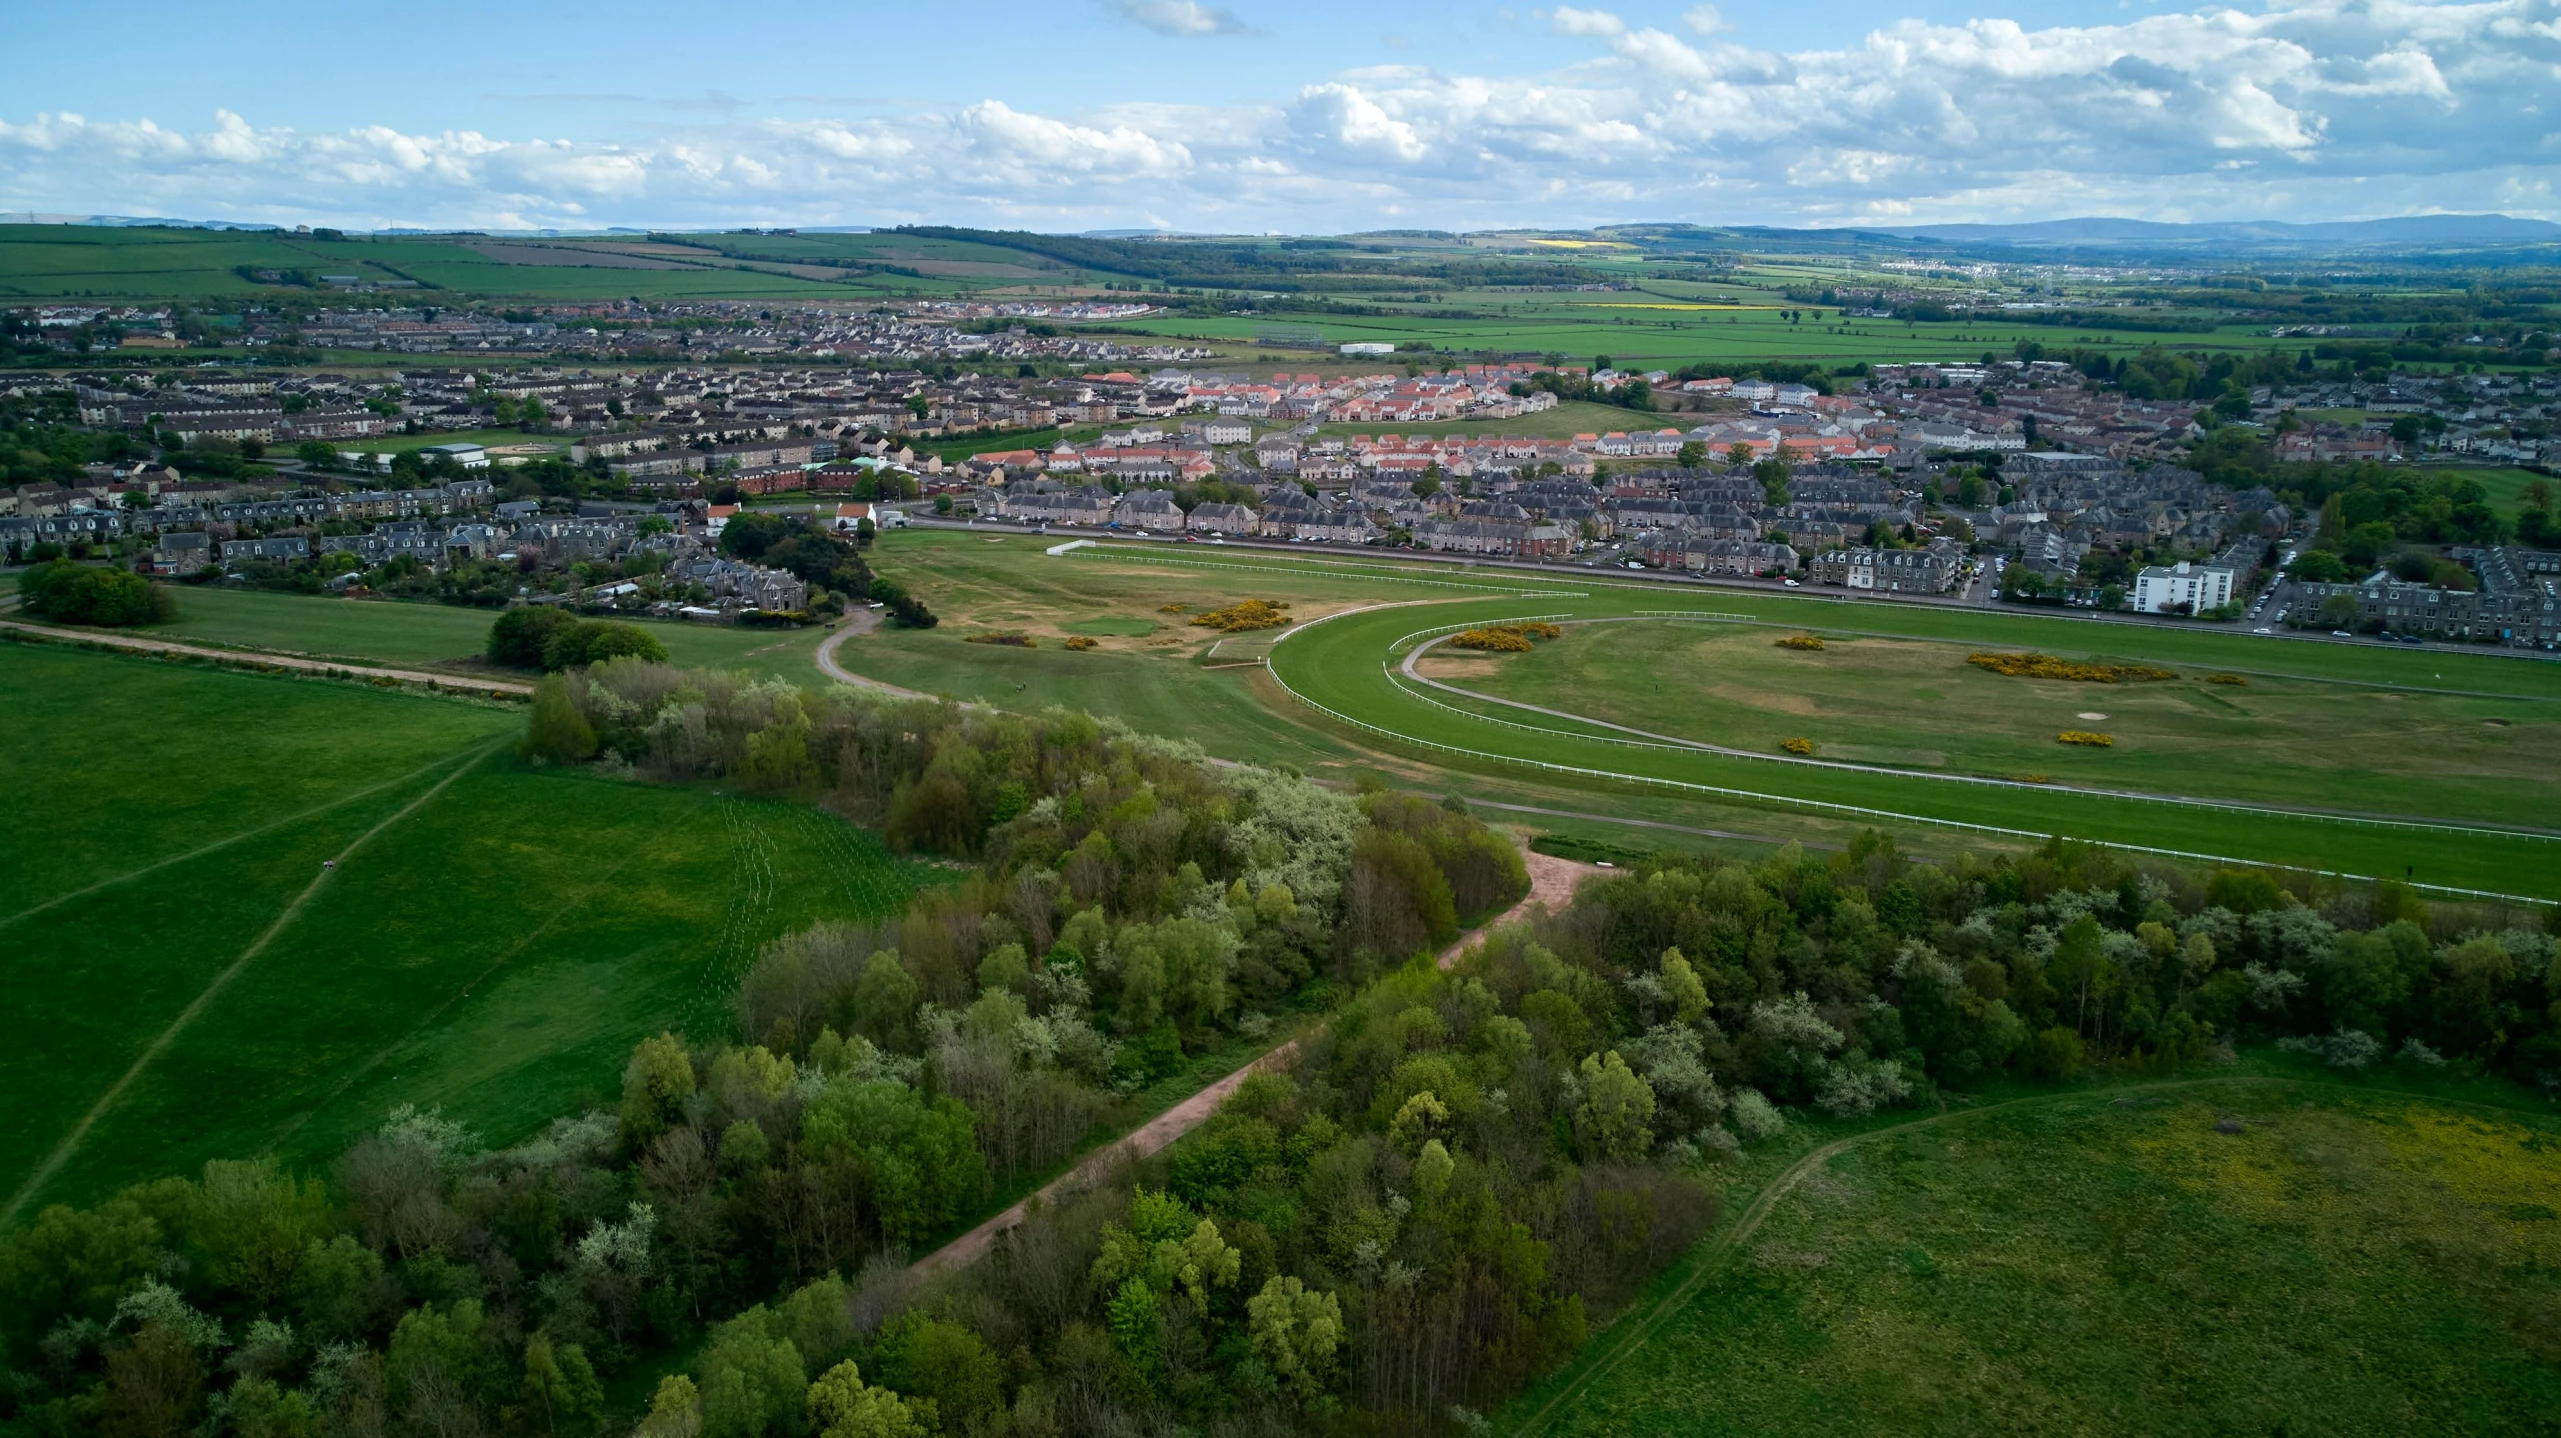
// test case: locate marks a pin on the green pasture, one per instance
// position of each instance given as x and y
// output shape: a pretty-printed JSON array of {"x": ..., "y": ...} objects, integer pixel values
[
  {"x": 68, "y": 261},
  {"x": 2347, "y": 1259},
  {"x": 493, "y": 949},
  {"x": 2295, "y": 742},
  {"x": 442, "y": 636},
  {"x": 1636, "y": 329}
]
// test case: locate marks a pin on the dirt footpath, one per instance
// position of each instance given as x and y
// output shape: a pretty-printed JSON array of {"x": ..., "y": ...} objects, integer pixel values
[
  {"x": 1157, "y": 1132},
  {"x": 110, "y": 639},
  {"x": 1552, "y": 882}
]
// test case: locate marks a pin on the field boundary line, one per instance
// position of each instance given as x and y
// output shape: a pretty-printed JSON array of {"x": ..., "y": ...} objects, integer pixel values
[
  {"x": 199, "y": 853},
  {"x": 1647, "y": 739},
  {"x": 1713, "y": 1254},
  {"x": 70, "y": 1144},
  {"x": 1828, "y": 806}
]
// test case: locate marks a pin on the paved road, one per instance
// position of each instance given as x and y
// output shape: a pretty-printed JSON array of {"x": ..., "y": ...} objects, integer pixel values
[
  {"x": 111, "y": 639},
  {"x": 857, "y": 621}
]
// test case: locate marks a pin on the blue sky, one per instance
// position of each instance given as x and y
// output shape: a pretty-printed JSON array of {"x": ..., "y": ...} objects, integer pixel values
[{"x": 1254, "y": 116}]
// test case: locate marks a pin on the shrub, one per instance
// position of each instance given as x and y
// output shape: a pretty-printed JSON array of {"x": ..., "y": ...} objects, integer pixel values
[
  {"x": 1797, "y": 746},
  {"x": 1505, "y": 638},
  {"x": 2054, "y": 1053},
  {"x": 1492, "y": 641},
  {"x": 1798, "y": 641},
  {"x": 2086, "y": 737},
  {"x": 1243, "y": 615},
  {"x": 1010, "y": 638},
  {"x": 593, "y": 641},
  {"x": 518, "y": 638},
  {"x": 1082, "y": 642},
  {"x": 2046, "y": 666},
  {"x": 79, "y": 594},
  {"x": 2234, "y": 679}
]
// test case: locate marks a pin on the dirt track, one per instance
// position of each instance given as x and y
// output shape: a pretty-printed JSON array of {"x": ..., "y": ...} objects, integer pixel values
[
  {"x": 1157, "y": 1132},
  {"x": 109, "y": 639},
  {"x": 1552, "y": 882},
  {"x": 1551, "y": 886}
]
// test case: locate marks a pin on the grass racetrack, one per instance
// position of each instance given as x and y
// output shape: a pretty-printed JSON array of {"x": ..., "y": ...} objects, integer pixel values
[
  {"x": 189, "y": 982},
  {"x": 2350, "y": 1260},
  {"x": 2450, "y": 751}
]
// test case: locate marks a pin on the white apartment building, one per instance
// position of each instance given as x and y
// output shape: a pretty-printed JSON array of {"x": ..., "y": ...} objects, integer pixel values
[{"x": 2181, "y": 588}]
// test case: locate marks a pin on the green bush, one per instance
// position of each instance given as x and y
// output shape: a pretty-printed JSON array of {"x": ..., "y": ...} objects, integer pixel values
[
  {"x": 537, "y": 636},
  {"x": 592, "y": 641},
  {"x": 80, "y": 594}
]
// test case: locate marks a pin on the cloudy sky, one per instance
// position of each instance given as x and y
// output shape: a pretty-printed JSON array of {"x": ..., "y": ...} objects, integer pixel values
[{"x": 1255, "y": 115}]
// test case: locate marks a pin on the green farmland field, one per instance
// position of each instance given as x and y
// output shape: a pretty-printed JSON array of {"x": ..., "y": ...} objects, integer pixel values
[
  {"x": 1637, "y": 330},
  {"x": 2350, "y": 1261},
  {"x": 443, "y": 636},
  {"x": 185, "y": 973}
]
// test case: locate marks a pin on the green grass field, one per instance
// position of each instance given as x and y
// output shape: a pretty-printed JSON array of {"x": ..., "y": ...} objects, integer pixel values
[
  {"x": 2282, "y": 741},
  {"x": 73, "y": 261},
  {"x": 2506, "y": 486},
  {"x": 403, "y": 443},
  {"x": 494, "y": 947},
  {"x": 1669, "y": 331},
  {"x": 2333, "y": 728},
  {"x": 2352, "y": 1261},
  {"x": 444, "y": 636}
]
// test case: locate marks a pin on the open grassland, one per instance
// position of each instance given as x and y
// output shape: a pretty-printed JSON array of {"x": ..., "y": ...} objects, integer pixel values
[
  {"x": 62, "y": 261},
  {"x": 2506, "y": 486},
  {"x": 2301, "y": 742},
  {"x": 1563, "y": 422},
  {"x": 443, "y": 636},
  {"x": 1343, "y": 665},
  {"x": 2350, "y": 1261},
  {"x": 68, "y": 261},
  {"x": 184, "y": 973},
  {"x": 1640, "y": 329}
]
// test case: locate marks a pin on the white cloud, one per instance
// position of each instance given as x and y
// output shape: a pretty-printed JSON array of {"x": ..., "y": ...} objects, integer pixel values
[
  {"x": 2305, "y": 109},
  {"x": 1182, "y": 19},
  {"x": 1705, "y": 20}
]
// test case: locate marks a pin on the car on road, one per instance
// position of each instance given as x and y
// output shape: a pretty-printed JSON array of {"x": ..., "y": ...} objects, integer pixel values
[
  {"x": 2341, "y": 634},
  {"x": 2262, "y": 629},
  {"x": 1792, "y": 584}
]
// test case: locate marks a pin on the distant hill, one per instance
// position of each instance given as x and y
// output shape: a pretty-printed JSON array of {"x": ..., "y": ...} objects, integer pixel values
[{"x": 2097, "y": 232}]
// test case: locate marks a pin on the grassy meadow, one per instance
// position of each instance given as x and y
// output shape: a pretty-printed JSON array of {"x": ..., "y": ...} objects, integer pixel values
[
  {"x": 443, "y": 636},
  {"x": 493, "y": 947},
  {"x": 2352, "y": 1260}
]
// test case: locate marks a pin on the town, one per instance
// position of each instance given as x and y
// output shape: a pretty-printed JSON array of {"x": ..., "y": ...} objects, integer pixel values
[{"x": 2017, "y": 481}]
